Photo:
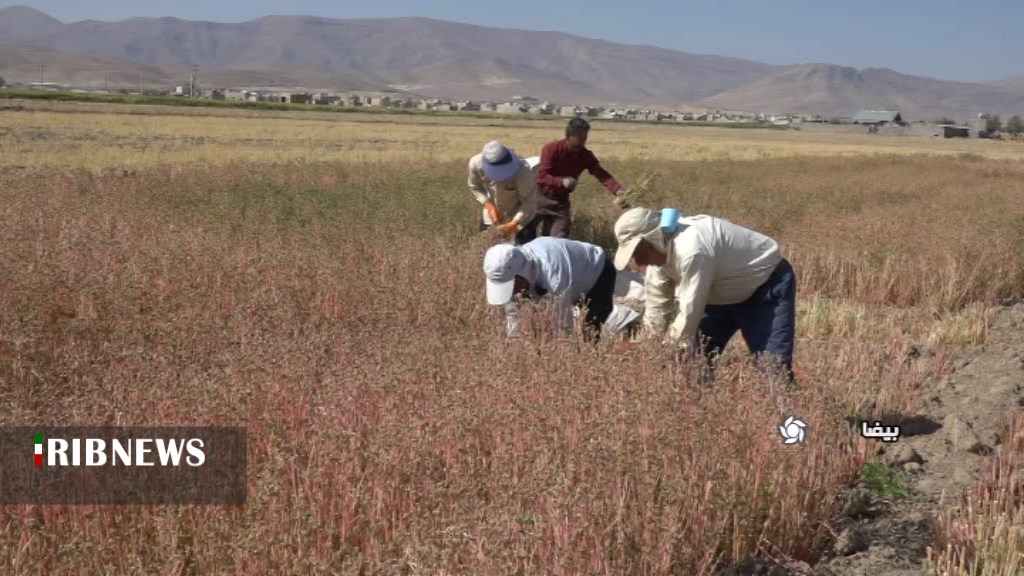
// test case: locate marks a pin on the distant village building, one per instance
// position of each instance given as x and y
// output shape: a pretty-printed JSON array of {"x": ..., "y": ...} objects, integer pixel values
[
  {"x": 545, "y": 108},
  {"x": 956, "y": 132},
  {"x": 510, "y": 108},
  {"x": 523, "y": 104},
  {"x": 325, "y": 99},
  {"x": 874, "y": 119}
]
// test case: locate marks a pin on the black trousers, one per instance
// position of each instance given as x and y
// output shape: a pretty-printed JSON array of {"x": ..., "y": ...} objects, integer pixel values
[
  {"x": 554, "y": 216},
  {"x": 600, "y": 298}
]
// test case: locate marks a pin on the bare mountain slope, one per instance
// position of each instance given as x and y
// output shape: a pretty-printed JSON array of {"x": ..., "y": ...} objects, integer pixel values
[
  {"x": 493, "y": 78},
  {"x": 1014, "y": 84},
  {"x": 21, "y": 64},
  {"x": 20, "y": 25},
  {"x": 449, "y": 59},
  {"x": 836, "y": 90},
  {"x": 387, "y": 48}
]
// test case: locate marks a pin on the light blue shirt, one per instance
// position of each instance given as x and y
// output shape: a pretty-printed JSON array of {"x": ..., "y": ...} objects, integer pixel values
[{"x": 565, "y": 268}]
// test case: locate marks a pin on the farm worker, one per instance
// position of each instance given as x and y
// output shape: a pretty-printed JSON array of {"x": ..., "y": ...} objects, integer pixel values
[
  {"x": 574, "y": 272},
  {"x": 504, "y": 184},
  {"x": 721, "y": 276},
  {"x": 561, "y": 163}
]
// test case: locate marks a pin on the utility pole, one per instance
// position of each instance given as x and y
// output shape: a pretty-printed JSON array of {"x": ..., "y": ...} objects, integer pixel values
[{"x": 192, "y": 81}]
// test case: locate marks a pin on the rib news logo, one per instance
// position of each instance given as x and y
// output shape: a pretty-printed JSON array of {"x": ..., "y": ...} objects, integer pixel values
[
  {"x": 123, "y": 465},
  {"x": 134, "y": 452}
]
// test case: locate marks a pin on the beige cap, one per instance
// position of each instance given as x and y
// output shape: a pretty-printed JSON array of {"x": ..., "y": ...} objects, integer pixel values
[{"x": 630, "y": 229}]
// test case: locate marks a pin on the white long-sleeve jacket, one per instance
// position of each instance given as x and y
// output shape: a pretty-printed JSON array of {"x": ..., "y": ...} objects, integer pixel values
[
  {"x": 708, "y": 261},
  {"x": 517, "y": 199},
  {"x": 566, "y": 269}
]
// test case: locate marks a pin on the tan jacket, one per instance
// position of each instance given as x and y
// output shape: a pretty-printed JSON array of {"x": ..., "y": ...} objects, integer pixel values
[
  {"x": 709, "y": 261},
  {"x": 516, "y": 199}
]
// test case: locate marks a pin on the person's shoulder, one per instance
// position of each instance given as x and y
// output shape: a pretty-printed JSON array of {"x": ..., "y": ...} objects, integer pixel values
[
  {"x": 688, "y": 240},
  {"x": 579, "y": 246},
  {"x": 525, "y": 166},
  {"x": 548, "y": 245},
  {"x": 552, "y": 146},
  {"x": 542, "y": 242},
  {"x": 477, "y": 160},
  {"x": 584, "y": 244}
]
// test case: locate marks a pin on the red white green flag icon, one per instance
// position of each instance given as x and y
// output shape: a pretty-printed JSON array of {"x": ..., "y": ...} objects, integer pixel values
[{"x": 39, "y": 449}]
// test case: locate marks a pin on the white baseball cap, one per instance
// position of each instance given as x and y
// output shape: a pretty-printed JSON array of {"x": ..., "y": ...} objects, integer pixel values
[{"x": 501, "y": 264}]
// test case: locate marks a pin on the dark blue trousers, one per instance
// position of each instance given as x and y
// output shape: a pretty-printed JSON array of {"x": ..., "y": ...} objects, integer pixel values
[{"x": 767, "y": 320}]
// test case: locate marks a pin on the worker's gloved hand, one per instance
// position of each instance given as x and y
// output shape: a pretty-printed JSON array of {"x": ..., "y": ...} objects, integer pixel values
[
  {"x": 492, "y": 212},
  {"x": 569, "y": 183},
  {"x": 508, "y": 228}
]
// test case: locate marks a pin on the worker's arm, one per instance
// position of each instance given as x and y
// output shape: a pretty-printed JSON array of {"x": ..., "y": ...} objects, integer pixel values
[
  {"x": 602, "y": 175},
  {"x": 548, "y": 158},
  {"x": 476, "y": 185},
  {"x": 692, "y": 294},
  {"x": 659, "y": 300},
  {"x": 527, "y": 198}
]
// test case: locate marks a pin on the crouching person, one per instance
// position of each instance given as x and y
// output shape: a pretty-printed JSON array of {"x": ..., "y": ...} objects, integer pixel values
[
  {"x": 721, "y": 278},
  {"x": 503, "y": 183},
  {"x": 572, "y": 271}
]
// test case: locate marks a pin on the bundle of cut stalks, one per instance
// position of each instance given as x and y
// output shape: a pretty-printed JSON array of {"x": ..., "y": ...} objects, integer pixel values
[{"x": 637, "y": 194}]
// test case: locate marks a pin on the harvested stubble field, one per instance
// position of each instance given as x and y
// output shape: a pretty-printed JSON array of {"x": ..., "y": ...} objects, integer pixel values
[{"x": 318, "y": 281}]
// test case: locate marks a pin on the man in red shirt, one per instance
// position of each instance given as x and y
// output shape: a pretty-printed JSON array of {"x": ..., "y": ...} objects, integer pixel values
[{"x": 561, "y": 163}]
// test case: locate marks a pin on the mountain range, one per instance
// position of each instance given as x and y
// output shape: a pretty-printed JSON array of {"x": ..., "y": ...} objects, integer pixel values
[{"x": 444, "y": 59}]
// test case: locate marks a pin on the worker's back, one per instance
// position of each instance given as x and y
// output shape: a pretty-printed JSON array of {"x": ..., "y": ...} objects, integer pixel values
[
  {"x": 564, "y": 265},
  {"x": 743, "y": 259}
]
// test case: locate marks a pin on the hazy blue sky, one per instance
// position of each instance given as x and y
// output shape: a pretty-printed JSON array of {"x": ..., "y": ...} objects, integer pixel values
[{"x": 948, "y": 39}]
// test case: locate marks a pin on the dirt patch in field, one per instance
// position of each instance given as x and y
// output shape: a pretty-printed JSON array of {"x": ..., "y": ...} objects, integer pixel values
[{"x": 941, "y": 457}]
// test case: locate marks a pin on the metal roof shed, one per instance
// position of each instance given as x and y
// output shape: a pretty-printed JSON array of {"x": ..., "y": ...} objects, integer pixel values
[{"x": 878, "y": 117}]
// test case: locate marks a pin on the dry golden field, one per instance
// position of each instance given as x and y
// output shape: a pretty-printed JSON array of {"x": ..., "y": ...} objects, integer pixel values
[
  {"x": 98, "y": 136},
  {"x": 315, "y": 278}
]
